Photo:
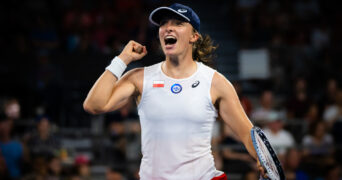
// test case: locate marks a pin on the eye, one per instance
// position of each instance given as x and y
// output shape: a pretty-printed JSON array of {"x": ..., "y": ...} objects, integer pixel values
[
  {"x": 178, "y": 23},
  {"x": 162, "y": 22}
]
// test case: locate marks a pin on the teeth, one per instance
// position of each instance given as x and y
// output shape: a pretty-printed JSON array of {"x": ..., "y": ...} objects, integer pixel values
[{"x": 170, "y": 39}]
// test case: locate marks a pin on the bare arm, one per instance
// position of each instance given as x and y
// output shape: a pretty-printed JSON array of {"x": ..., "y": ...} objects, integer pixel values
[
  {"x": 108, "y": 94},
  {"x": 231, "y": 111}
]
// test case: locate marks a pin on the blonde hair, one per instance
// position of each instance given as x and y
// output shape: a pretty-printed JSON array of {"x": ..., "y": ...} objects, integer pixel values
[{"x": 203, "y": 50}]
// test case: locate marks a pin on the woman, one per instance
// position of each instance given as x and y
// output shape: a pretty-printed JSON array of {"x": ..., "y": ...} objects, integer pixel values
[
  {"x": 176, "y": 99},
  {"x": 319, "y": 142},
  {"x": 318, "y": 149}
]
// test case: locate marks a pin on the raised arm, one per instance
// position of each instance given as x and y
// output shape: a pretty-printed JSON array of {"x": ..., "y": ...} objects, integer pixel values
[{"x": 108, "y": 93}]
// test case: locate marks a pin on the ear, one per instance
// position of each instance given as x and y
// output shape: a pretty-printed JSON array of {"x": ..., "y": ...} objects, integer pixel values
[{"x": 194, "y": 37}]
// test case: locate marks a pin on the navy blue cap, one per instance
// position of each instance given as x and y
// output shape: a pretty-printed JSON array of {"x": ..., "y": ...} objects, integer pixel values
[{"x": 180, "y": 10}]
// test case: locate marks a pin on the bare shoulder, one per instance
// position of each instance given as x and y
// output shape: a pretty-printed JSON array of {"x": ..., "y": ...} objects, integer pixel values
[
  {"x": 221, "y": 86},
  {"x": 134, "y": 74},
  {"x": 136, "y": 77},
  {"x": 220, "y": 82}
]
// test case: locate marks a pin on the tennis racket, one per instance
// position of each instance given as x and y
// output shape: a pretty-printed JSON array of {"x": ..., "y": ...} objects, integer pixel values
[{"x": 266, "y": 154}]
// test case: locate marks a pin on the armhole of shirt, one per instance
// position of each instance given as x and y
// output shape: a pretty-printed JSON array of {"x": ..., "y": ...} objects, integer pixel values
[
  {"x": 148, "y": 73},
  {"x": 143, "y": 90},
  {"x": 212, "y": 73}
]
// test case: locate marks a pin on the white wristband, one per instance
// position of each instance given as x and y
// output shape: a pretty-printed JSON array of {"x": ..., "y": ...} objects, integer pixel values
[{"x": 117, "y": 67}]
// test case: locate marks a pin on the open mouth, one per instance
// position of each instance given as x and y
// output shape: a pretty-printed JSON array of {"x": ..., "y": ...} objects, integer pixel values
[{"x": 169, "y": 40}]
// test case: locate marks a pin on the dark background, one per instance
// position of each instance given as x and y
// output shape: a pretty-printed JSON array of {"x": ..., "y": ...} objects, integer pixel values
[{"x": 53, "y": 51}]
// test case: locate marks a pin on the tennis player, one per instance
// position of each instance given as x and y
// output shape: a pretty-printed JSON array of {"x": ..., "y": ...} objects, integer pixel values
[{"x": 178, "y": 99}]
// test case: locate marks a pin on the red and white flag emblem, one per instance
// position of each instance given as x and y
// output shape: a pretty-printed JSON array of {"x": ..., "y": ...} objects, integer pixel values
[{"x": 157, "y": 84}]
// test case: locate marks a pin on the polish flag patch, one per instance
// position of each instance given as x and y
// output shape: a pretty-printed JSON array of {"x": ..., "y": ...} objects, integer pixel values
[{"x": 158, "y": 84}]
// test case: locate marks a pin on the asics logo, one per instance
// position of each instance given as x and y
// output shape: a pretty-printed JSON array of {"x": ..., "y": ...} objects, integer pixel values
[{"x": 195, "y": 84}]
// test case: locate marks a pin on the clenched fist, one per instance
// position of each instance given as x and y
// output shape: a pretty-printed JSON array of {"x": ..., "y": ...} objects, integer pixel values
[{"x": 133, "y": 51}]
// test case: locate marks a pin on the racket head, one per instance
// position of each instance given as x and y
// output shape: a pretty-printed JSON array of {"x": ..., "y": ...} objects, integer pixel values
[{"x": 266, "y": 154}]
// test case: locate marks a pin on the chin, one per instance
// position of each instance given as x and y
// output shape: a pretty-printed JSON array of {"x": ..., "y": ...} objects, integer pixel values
[{"x": 170, "y": 53}]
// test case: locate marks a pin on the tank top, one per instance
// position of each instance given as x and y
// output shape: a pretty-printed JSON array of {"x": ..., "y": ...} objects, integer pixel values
[{"x": 177, "y": 117}]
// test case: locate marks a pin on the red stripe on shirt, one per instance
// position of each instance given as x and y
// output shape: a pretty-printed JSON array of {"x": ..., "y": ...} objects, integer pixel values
[
  {"x": 221, "y": 177},
  {"x": 158, "y": 85}
]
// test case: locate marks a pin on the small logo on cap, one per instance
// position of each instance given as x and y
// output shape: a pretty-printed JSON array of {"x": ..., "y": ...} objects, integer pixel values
[{"x": 182, "y": 10}]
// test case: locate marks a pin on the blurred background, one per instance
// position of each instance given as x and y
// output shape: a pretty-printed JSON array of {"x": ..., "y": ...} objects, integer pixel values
[{"x": 283, "y": 57}]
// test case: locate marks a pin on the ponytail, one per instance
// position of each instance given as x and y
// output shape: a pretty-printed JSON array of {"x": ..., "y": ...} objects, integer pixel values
[{"x": 203, "y": 50}]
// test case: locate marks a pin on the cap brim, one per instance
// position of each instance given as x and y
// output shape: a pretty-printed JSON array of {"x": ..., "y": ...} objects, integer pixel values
[{"x": 158, "y": 14}]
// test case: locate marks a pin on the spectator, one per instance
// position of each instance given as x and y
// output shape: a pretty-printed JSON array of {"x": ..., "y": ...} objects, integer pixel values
[
  {"x": 126, "y": 113},
  {"x": 133, "y": 145},
  {"x": 114, "y": 174},
  {"x": 11, "y": 150},
  {"x": 82, "y": 164},
  {"x": 55, "y": 168},
  {"x": 329, "y": 95},
  {"x": 124, "y": 132},
  {"x": 292, "y": 165},
  {"x": 117, "y": 147},
  {"x": 260, "y": 114},
  {"x": 280, "y": 138},
  {"x": 332, "y": 115},
  {"x": 298, "y": 105},
  {"x": 318, "y": 149},
  {"x": 12, "y": 110},
  {"x": 313, "y": 114},
  {"x": 235, "y": 157},
  {"x": 318, "y": 142},
  {"x": 43, "y": 142},
  {"x": 40, "y": 168},
  {"x": 333, "y": 112}
]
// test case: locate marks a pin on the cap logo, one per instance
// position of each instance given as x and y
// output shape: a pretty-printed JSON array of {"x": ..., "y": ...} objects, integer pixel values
[{"x": 182, "y": 10}]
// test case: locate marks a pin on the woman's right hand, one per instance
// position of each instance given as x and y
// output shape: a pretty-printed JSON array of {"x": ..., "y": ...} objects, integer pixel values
[{"x": 133, "y": 51}]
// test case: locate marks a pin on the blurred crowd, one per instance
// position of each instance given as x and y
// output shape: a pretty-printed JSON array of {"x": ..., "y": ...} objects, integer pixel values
[
  {"x": 54, "y": 50},
  {"x": 36, "y": 151}
]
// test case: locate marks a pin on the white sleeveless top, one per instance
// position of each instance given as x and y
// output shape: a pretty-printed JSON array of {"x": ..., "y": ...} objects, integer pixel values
[{"x": 177, "y": 117}]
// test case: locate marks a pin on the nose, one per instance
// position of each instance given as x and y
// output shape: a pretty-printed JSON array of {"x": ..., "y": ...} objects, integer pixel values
[{"x": 168, "y": 27}]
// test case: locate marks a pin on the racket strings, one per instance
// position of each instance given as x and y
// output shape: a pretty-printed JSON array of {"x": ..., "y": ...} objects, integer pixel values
[{"x": 266, "y": 158}]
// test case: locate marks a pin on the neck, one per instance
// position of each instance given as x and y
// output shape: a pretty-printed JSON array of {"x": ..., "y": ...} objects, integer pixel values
[{"x": 179, "y": 67}]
